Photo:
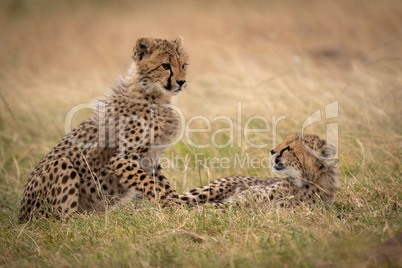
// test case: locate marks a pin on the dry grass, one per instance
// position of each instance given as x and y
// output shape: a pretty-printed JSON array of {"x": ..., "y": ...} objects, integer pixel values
[{"x": 278, "y": 58}]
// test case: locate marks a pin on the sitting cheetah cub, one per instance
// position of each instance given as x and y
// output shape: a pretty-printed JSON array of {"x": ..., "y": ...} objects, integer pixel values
[
  {"x": 310, "y": 168},
  {"x": 115, "y": 153}
]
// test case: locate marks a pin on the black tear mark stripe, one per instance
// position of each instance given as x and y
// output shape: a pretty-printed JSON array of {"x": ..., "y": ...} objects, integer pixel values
[
  {"x": 169, "y": 85},
  {"x": 283, "y": 150}
]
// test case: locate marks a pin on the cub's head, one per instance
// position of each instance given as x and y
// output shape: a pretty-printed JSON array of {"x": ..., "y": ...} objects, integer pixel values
[
  {"x": 305, "y": 158},
  {"x": 161, "y": 65}
]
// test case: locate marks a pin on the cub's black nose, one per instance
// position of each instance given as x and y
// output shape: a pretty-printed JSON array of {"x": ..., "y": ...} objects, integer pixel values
[
  {"x": 272, "y": 152},
  {"x": 180, "y": 82}
]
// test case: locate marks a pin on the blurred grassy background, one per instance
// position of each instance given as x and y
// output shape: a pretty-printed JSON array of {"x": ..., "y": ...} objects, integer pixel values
[{"x": 279, "y": 58}]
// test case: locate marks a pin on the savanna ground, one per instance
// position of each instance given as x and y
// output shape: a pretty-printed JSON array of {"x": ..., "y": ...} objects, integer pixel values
[{"x": 283, "y": 59}]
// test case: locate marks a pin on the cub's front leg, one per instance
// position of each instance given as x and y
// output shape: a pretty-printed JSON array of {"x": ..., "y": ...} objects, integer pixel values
[{"x": 132, "y": 176}]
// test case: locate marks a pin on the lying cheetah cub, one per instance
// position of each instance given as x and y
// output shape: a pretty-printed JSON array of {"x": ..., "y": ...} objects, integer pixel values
[
  {"x": 310, "y": 168},
  {"x": 115, "y": 153}
]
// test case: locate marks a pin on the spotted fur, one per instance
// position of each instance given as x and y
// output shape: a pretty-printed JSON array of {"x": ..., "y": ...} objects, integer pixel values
[
  {"x": 310, "y": 168},
  {"x": 115, "y": 153}
]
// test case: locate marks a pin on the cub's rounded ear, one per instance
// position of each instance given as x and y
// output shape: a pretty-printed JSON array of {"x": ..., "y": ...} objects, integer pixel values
[
  {"x": 328, "y": 157},
  {"x": 143, "y": 47},
  {"x": 330, "y": 150},
  {"x": 179, "y": 41}
]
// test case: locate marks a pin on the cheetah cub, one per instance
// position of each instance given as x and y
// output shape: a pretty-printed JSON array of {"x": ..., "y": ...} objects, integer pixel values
[
  {"x": 310, "y": 168},
  {"x": 115, "y": 153}
]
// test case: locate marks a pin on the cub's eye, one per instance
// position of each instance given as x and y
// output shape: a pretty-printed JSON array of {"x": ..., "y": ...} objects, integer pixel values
[
  {"x": 166, "y": 66},
  {"x": 184, "y": 66}
]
